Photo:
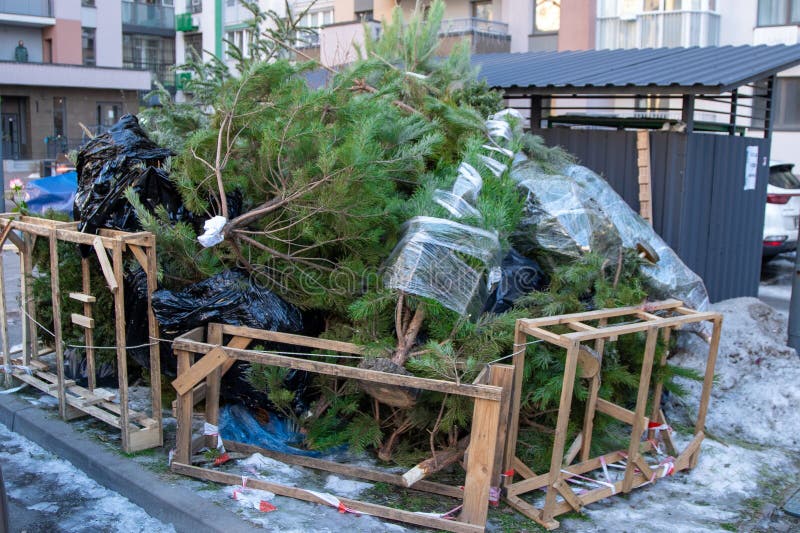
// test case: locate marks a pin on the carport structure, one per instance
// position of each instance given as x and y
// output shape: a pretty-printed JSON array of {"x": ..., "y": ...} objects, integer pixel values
[{"x": 709, "y": 112}]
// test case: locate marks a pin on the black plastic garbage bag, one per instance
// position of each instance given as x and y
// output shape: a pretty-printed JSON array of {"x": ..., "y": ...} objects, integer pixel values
[
  {"x": 136, "y": 330},
  {"x": 232, "y": 297},
  {"x": 519, "y": 276},
  {"x": 109, "y": 164}
]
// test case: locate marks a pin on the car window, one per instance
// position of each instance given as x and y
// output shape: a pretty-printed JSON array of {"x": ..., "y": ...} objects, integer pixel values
[{"x": 784, "y": 179}]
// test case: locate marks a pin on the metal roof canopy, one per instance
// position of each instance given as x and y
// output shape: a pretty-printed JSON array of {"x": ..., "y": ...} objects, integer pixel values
[{"x": 696, "y": 70}]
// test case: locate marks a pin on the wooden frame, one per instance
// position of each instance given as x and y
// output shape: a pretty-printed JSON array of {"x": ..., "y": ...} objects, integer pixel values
[
  {"x": 139, "y": 431},
  {"x": 483, "y": 459},
  {"x": 593, "y": 327}
]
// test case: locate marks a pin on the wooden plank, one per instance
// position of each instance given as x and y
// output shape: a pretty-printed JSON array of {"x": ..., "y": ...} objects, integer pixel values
[
  {"x": 522, "y": 469},
  {"x": 55, "y": 291},
  {"x": 580, "y": 326},
  {"x": 501, "y": 376},
  {"x": 119, "y": 331},
  {"x": 152, "y": 328},
  {"x": 105, "y": 265},
  {"x": 639, "y": 424},
  {"x": 684, "y": 460},
  {"x": 290, "y": 338},
  {"x": 641, "y": 326},
  {"x": 568, "y": 495},
  {"x": 214, "y": 377},
  {"x": 486, "y": 392},
  {"x": 573, "y": 450},
  {"x": 518, "y": 361},
  {"x": 31, "y": 347},
  {"x": 549, "y": 336},
  {"x": 564, "y": 408},
  {"x": 187, "y": 380},
  {"x": 708, "y": 382},
  {"x": 658, "y": 390},
  {"x": 301, "y": 494},
  {"x": 345, "y": 469},
  {"x": 644, "y": 467},
  {"x": 144, "y": 439},
  {"x": 615, "y": 411},
  {"x": 139, "y": 254},
  {"x": 534, "y": 513},
  {"x": 88, "y": 334},
  {"x": 236, "y": 342},
  {"x": 183, "y": 438},
  {"x": 591, "y": 402},
  {"x": 83, "y": 321},
  {"x": 588, "y": 316},
  {"x": 645, "y": 195},
  {"x": 8, "y": 380},
  {"x": 81, "y": 297},
  {"x": 483, "y": 442}
]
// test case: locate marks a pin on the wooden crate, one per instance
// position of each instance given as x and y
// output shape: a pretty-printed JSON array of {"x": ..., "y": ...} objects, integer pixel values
[
  {"x": 139, "y": 430},
  {"x": 588, "y": 334},
  {"x": 214, "y": 358}
]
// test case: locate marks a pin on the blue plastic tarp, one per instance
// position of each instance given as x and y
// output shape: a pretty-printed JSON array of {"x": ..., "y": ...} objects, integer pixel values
[{"x": 53, "y": 192}]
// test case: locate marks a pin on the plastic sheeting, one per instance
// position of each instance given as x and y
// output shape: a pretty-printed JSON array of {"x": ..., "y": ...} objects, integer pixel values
[
  {"x": 237, "y": 424},
  {"x": 432, "y": 258},
  {"x": 577, "y": 212},
  {"x": 519, "y": 276},
  {"x": 56, "y": 193},
  {"x": 109, "y": 164}
]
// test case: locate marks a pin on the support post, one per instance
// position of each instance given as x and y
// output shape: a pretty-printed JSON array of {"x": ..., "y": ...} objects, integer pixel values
[
  {"x": 185, "y": 406},
  {"x": 122, "y": 352},
  {"x": 88, "y": 333},
  {"x": 55, "y": 292},
  {"x": 152, "y": 327},
  {"x": 8, "y": 380},
  {"x": 687, "y": 112},
  {"x": 485, "y": 419},
  {"x": 591, "y": 403},
  {"x": 518, "y": 360}
]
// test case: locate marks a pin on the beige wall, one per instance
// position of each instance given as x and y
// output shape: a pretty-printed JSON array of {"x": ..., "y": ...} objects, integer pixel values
[
  {"x": 66, "y": 38},
  {"x": 578, "y": 23},
  {"x": 81, "y": 107}
]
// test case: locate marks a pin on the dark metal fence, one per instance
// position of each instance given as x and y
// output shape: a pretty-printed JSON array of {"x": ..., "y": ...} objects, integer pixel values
[{"x": 700, "y": 205}]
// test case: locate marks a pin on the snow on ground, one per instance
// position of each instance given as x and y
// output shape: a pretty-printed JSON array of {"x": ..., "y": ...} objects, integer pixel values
[
  {"x": 55, "y": 496},
  {"x": 749, "y": 462},
  {"x": 756, "y": 396}
]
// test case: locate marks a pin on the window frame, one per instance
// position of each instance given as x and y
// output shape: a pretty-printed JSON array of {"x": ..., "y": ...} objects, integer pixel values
[
  {"x": 778, "y": 123},
  {"x": 534, "y": 30},
  {"x": 787, "y": 16}
]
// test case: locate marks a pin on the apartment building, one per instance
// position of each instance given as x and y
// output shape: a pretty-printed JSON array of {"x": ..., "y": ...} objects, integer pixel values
[{"x": 61, "y": 66}]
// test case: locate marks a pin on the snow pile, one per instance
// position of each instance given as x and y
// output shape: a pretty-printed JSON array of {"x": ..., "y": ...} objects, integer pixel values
[{"x": 756, "y": 394}]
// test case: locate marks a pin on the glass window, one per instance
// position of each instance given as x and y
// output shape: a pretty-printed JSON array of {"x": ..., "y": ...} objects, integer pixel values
[
  {"x": 313, "y": 21},
  {"x": 193, "y": 44},
  {"x": 782, "y": 177},
  {"x": 778, "y": 12},
  {"x": 87, "y": 38},
  {"x": 482, "y": 10},
  {"x": 59, "y": 116},
  {"x": 787, "y": 104},
  {"x": 88, "y": 3},
  {"x": 547, "y": 16}
]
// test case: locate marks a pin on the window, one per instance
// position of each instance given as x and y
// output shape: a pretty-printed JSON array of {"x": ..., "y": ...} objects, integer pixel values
[
  {"x": 242, "y": 39},
  {"x": 193, "y": 44},
  {"x": 362, "y": 16},
  {"x": 88, "y": 3},
  {"x": 87, "y": 38},
  {"x": 482, "y": 10},
  {"x": 107, "y": 115},
  {"x": 778, "y": 12},
  {"x": 59, "y": 116},
  {"x": 313, "y": 21},
  {"x": 786, "y": 114},
  {"x": 547, "y": 16}
]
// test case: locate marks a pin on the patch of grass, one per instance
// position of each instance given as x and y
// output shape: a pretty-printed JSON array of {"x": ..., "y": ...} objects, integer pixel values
[{"x": 729, "y": 526}]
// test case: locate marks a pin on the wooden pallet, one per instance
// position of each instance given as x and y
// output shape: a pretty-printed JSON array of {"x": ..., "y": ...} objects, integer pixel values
[
  {"x": 583, "y": 337},
  {"x": 203, "y": 358},
  {"x": 138, "y": 431}
]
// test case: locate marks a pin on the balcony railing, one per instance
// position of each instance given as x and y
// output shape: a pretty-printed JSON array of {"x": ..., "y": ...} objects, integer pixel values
[
  {"x": 473, "y": 25},
  {"x": 655, "y": 29},
  {"x": 194, "y": 6},
  {"x": 162, "y": 71},
  {"x": 148, "y": 15},
  {"x": 34, "y": 8}
]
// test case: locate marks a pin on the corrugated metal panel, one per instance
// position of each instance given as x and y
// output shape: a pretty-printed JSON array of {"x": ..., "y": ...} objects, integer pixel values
[
  {"x": 712, "y": 66},
  {"x": 700, "y": 207}
]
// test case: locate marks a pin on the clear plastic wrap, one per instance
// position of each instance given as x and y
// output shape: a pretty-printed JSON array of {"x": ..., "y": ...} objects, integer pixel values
[
  {"x": 455, "y": 205},
  {"x": 469, "y": 183},
  {"x": 578, "y": 212},
  {"x": 445, "y": 261}
]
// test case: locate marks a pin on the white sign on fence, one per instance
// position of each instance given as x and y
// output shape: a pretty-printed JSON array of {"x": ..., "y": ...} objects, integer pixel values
[{"x": 751, "y": 168}]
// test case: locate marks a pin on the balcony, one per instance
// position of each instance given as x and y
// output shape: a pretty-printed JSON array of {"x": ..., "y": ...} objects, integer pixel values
[
  {"x": 35, "y": 13},
  {"x": 485, "y": 36},
  {"x": 657, "y": 29},
  {"x": 148, "y": 18},
  {"x": 57, "y": 75},
  {"x": 194, "y": 6},
  {"x": 162, "y": 72}
]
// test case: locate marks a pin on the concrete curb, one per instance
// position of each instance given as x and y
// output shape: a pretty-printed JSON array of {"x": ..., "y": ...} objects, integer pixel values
[{"x": 171, "y": 504}]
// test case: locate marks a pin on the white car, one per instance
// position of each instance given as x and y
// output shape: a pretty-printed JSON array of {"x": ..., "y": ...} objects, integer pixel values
[{"x": 782, "y": 213}]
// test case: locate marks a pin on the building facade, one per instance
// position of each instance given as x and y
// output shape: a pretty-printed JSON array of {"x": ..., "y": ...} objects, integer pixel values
[{"x": 61, "y": 70}]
